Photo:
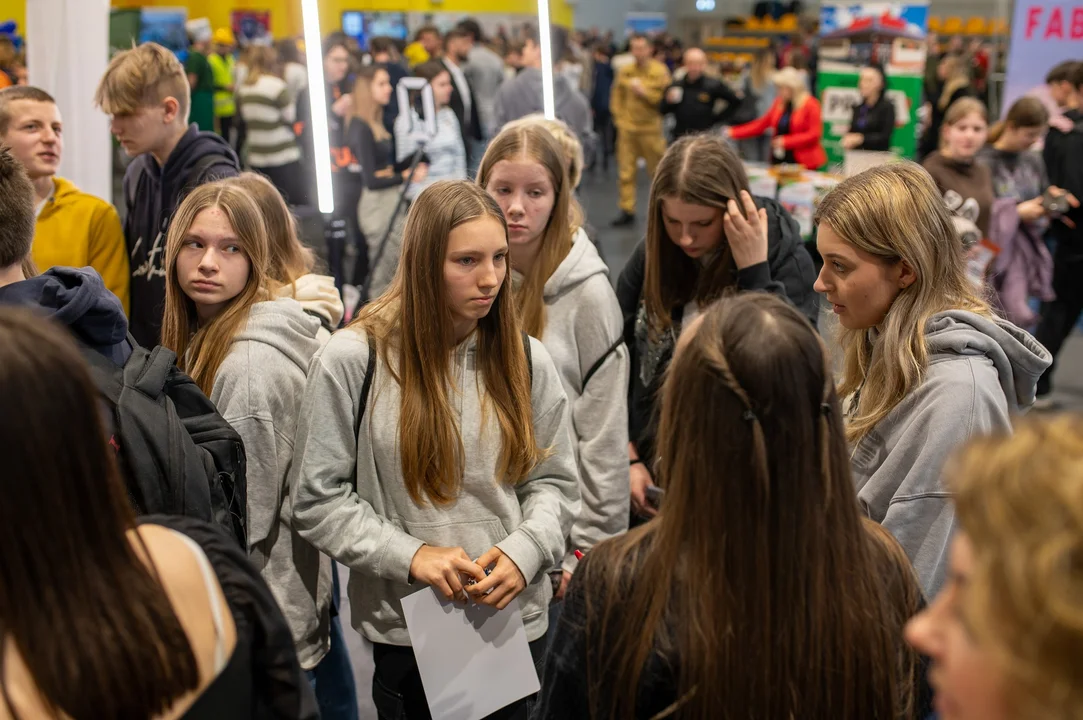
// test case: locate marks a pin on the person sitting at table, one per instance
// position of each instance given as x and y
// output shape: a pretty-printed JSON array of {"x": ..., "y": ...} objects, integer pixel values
[
  {"x": 796, "y": 121},
  {"x": 874, "y": 117}
]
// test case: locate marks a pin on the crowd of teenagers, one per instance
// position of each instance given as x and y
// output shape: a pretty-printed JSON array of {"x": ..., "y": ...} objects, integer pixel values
[{"x": 705, "y": 503}]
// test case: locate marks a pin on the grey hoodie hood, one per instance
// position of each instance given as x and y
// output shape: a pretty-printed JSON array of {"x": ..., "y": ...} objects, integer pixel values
[
  {"x": 581, "y": 264},
  {"x": 283, "y": 324},
  {"x": 982, "y": 371},
  {"x": 317, "y": 295},
  {"x": 1019, "y": 359}
]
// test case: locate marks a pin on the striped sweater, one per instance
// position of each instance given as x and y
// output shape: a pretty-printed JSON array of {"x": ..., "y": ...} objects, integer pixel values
[{"x": 269, "y": 113}]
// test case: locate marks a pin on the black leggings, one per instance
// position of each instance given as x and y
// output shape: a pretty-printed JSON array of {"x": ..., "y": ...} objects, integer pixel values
[{"x": 398, "y": 694}]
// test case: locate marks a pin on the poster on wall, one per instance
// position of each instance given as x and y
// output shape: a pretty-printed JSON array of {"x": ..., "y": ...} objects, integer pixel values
[
  {"x": 251, "y": 26},
  {"x": 1044, "y": 34},
  {"x": 644, "y": 23},
  {"x": 851, "y": 36},
  {"x": 165, "y": 26}
]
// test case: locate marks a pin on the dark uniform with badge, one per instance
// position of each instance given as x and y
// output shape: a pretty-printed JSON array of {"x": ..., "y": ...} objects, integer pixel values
[{"x": 696, "y": 109}]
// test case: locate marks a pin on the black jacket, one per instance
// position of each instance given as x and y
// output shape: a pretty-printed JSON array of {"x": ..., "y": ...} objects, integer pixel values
[
  {"x": 470, "y": 126},
  {"x": 271, "y": 682},
  {"x": 1063, "y": 155},
  {"x": 152, "y": 194},
  {"x": 877, "y": 124},
  {"x": 696, "y": 110},
  {"x": 788, "y": 273},
  {"x": 78, "y": 299},
  {"x": 930, "y": 141},
  {"x": 374, "y": 156}
]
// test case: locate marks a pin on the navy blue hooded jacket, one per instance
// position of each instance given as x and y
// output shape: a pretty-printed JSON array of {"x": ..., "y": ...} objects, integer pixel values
[
  {"x": 152, "y": 194},
  {"x": 78, "y": 299}
]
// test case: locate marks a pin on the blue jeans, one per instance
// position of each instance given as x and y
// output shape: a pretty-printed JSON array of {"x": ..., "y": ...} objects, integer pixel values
[{"x": 332, "y": 679}]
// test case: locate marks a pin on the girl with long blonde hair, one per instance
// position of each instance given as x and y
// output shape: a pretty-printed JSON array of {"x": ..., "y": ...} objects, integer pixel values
[
  {"x": 756, "y": 592},
  {"x": 248, "y": 350},
  {"x": 1005, "y": 636},
  {"x": 566, "y": 300},
  {"x": 926, "y": 363},
  {"x": 706, "y": 237},
  {"x": 434, "y": 444}
]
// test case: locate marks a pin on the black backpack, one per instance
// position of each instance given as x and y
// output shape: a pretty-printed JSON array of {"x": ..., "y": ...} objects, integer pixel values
[{"x": 177, "y": 453}]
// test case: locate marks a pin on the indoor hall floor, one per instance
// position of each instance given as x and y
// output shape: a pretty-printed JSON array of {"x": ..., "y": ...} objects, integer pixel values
[{"x": 598, "y": 196}]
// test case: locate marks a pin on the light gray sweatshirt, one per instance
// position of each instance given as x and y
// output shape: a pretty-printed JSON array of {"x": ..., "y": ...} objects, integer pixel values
[
  {"x": 981, "y": 372},
  {"x": 375, "y": 528},
  {"x": 583, "y": 322},
  {"x": 258, "y": 390}
]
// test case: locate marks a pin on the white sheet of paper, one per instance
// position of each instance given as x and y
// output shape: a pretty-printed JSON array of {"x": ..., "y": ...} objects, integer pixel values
[{"x": 473, "y": 659}]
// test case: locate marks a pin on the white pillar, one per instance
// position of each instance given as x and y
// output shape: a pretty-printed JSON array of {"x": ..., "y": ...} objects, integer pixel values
[{"x": 67, "y": 45}]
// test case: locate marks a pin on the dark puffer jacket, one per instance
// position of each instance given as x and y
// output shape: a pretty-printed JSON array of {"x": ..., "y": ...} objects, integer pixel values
[{"x": 788, "y": 273}]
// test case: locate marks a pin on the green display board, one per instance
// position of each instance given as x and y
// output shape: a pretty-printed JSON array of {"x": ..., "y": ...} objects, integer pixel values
[
  {"x": 889, "y": 34},
  {"x": 838, "y": 96}
]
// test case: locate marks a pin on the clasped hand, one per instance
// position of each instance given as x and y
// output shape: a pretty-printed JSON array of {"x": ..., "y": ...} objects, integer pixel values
[{"x": 452, "y": 574}]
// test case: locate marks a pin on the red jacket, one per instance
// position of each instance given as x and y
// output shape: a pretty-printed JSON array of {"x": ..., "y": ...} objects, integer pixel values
[{"x": 806, "y": 129}]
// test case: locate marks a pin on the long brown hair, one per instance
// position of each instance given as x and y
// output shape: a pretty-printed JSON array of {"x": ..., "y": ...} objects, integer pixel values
[
  {"x": 902, "y": 593},
  {"x": 762, "y": 589},
  {"x": 702, "y": 170},
  {"x": 895, "y": 213},
  {"x": 412, "y": 325},
  {"x": 88, "y": 617},
  {"x": 365, "y": 108},
  {"x": 201, "y": 348},
  {"x": 1026, "y": 112},
  {"x": 288, "y": 259},
  {"x": 535, "y": 143}
]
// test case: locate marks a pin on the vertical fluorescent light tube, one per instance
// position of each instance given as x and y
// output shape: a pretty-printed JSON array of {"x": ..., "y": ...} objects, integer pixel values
[
  {"x": 548, "y": 102},
  {"x": 317, "y": 88}
]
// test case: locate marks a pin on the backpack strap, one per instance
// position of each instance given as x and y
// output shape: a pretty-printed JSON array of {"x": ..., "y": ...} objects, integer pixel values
[
  {"x": 366, "y": 386},
  {"x": 323, "y": 321},
  {"x": 529, "y": 358},
  {"x": 601, "y": 361},
  {"x": 151, "y": 378}
]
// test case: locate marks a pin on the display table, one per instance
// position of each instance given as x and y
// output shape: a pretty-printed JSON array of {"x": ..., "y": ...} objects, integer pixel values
[{"x": 796, "y": 189}]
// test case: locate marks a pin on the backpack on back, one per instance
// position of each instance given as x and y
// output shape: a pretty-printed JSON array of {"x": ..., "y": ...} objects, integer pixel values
[{"x": 177, "y": 453}]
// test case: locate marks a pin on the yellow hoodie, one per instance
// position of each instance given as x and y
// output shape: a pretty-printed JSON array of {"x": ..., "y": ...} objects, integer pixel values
[{"x": 76, "y": 229}]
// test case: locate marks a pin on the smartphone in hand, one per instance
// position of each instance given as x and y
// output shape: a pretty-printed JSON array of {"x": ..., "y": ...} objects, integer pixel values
[
  {"x": 1055, "y": 205},
  {"x": 655, "y": 495}
]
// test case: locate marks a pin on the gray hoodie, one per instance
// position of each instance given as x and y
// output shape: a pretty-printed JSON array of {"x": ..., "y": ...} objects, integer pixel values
[
  {"x": 258, "y": 390},
  {"x": 319, "y": 297},
  {"x": 522, "y": 96},
  {"x": 350, "y": 501},
  {"x": 583, "y": 322},
  {"x": 981, "y": 372}
]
